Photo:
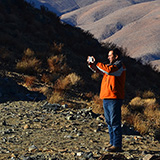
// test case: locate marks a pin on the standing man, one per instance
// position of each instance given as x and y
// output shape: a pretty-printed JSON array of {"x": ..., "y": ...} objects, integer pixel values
[{"x": 112, "y": 93}]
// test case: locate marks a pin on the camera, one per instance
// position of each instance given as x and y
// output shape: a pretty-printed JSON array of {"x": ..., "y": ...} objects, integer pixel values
[{"x": 90, "y": 59}]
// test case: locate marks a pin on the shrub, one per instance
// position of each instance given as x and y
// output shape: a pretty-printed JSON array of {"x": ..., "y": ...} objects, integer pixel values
[
  {"x": 148, "y": 94},
  {"x": 95, "y": 76},
  {"x": 67, "y": 82},
  {"x": 29, "y": 80},
  {"x": 140, "y": 124},
  {"x": 28, "y": 53},
  {"x": 97, "y": 106},
  {"x": 57, "y": 63},
  {"x": 56, "y": 97},
  {"x": 29, "y": 66}
]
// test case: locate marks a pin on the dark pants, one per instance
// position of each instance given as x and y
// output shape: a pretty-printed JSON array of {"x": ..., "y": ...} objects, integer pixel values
[{"x": 112, "y": 113}]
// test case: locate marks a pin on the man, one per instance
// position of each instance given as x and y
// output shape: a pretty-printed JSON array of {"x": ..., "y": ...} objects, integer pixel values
[{"x": 112, "y": 93}]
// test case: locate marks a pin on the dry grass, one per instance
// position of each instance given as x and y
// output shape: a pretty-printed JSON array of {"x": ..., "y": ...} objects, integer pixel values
[
  {"x": 56, "y": 48},
  {"x": 28, "y": 53},
  {"x": 67, "y": 82},
  {"x": 140, "y": 124},
  {"x": 142, "y": 113},
  {"x": 56, "y": 97},
  {"x": 89, "y": 95},
  {"x": 95, "y": 76},
  {"x": 97, "y": 106},
  {"x": 56, "y": 63},
  {"x": 148, "y": 94},
  {"x": 29, "y": 81},
  {"x": 29, "y": 66}
]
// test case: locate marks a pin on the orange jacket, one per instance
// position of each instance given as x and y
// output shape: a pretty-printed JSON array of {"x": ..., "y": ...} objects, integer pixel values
[{"x": 113, "y": 82}]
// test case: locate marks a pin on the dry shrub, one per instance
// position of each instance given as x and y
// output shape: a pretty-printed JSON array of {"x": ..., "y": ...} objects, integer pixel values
[
  {"x": 137, "y": 101},
  {"x": 73, "y": 78},
  {"x": 126, "y": 115},
  {"x": 29, "y": 81},
  {"x": 56, "y": 97},
  {"x": 95, "y": 76},
  {"x": 29, "y": 66},
  {"x": 97, "y": 106},
  {"x": 57, "y": 63},
  {"x": 56, "y": 48},
  {"x": 140, "y": 125},
  {"x": 138, "y": 104},
  {"x": 89, "y": 95},
  {"x": 144, "y": 113},
  {"x": 28, "y": 53},
  {"x": 148, "y": 94},
  {"x": 66, "y": 82},
  {"x": 152, "y": 113},
  {"x": 45, "y": 78}
]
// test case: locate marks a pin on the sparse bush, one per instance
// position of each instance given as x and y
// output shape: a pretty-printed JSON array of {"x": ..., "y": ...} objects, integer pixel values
[
  {"x": 95, "y": 76},
  {"x": 56, "y": 97},
  {"x": 29, "y": 81},
  {"x": 29, "y": 66},
  {"x": 57, "y": 64},
  {"x": 29, "y": 53},
  {"x": 67, "y": 82},
  {"x": 97, "y": 106},
  {"x": 89, "y": 95},
  {"x": 56, "y": 48},
  {"x": 148, "y": 94},
  {"x": 73, "y": 78},
  {"x": 140, "y": 124}
]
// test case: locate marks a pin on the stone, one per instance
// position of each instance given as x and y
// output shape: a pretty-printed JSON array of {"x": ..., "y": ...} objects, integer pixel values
[
  {"x": 79, "y": 154},
  {"x": 27, "y": 126},
  {"x": 148, "y": 157},
  {"x": 32, "y": 148}
]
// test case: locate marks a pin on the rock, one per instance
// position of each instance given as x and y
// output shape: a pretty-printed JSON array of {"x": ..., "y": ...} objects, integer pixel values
[
  {"x": 27, "y": 126},
  {"x": 79, "y": 153},
  {"x": 70, "y": 117},
  {"x": 148, "y": 157},
  {"x": 88, "y": 155},
  {"x": 64, "y": 106},
  {"x": 4, "y": 123},
  {"x": 32, "y": 148}
]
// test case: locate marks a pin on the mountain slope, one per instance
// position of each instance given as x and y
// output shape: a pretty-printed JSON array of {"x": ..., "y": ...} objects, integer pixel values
[
  {"x": 61, "y": 6},
  {"x": 132, "y": 24},
  {"x": 134, "y": 27}
]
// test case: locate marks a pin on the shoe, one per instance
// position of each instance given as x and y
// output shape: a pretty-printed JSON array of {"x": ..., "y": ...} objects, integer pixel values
[
  {"x": 114, "y": 149},
  {"x": 108, "y": 146}
]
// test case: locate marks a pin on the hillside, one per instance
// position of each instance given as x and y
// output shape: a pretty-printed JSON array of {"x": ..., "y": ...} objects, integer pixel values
[
  {"x": 42, "y": 57},
  {"x": 130, "y": 24},
  {"x": 134, "y": 26}
]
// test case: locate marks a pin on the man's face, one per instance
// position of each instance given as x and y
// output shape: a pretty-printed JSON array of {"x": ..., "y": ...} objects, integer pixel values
[{"x": 111, "y": 57}]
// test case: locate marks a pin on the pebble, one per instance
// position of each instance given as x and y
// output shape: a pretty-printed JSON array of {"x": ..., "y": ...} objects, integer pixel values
[
  {"x": 60, "y": 127},
  {"x": 26, "y": 126},
  {"x": 32, "y": 148}
]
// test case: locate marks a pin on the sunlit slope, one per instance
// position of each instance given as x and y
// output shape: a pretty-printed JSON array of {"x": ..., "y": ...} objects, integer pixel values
[{"x": 132, "y": 26}]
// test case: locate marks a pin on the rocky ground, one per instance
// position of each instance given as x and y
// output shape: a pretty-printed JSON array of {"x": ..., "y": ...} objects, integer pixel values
[
  {"x": 33, "y": 129},
  {"x": 39, "y": 130}
]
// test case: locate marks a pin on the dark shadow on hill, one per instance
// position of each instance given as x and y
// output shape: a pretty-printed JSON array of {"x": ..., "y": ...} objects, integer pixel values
[
  {"x": 11, "y": 91},
  {"x": 49, "y": 7}
]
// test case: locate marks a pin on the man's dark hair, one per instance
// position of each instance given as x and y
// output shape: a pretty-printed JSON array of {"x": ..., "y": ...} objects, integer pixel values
[{"x": 117, "y": 52}]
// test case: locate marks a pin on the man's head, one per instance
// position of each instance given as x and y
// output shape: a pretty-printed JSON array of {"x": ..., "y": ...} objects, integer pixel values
[{"x": 114, "y": 55}]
